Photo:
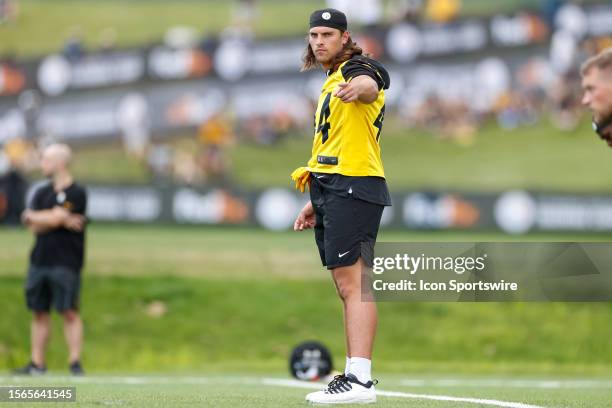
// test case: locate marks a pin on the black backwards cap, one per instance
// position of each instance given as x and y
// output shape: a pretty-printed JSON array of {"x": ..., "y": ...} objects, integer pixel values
[{"x": 329, "y": 17}]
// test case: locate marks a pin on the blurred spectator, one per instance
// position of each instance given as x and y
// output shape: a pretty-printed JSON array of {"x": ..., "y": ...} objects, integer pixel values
[
  {"x": 271, "y": 128},
  {"x": 570, "y": 17},
  {"x": 535, "y": 76},
  {"x": 8, "y": 11},
  {"x": 13, "y": 185},
  {"x": 282, "y": 123},
  {"x": 258, "y": 129},
  {"x": 565, "y": 96},
  {"x": 21, "y": 154},
  {"x": 214, "y": 136},
  {"x": 514, "y": 110},
  {"x": 550, "y": 9},
  {"x": 459, "y": 122},
  {"x": 593, "y": 46},
  {"x": 181, "y": 37},
  {"x": 73, "y": 48},
  {"x": 108, "y": 40},
  {"x": 430, "y": 114},
  {"x": 186, "y": 169},
  {"x": 404, "y": 10},
  {"x": 444, "y": 118},
  {"x": 442, "y": 11},
  {"x": 4, "y": 170},
  {"x": 159, "y": 162},
  {"x": 245, "y": 13},
  {"x": 133, "y": 118},
  {"x": 209, "y": 43},
  {"x": 30, "y": 103}
]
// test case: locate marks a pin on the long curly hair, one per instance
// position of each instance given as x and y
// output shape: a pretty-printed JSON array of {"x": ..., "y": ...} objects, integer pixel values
[{"x": 349, "y": 49}]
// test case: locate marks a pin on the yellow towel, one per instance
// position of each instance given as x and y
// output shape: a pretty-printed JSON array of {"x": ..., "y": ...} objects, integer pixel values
[{"x": 301, "y": 176}]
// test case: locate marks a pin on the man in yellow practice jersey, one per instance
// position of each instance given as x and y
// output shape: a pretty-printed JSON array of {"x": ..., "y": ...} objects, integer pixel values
[{"x": 348, "y": 191}]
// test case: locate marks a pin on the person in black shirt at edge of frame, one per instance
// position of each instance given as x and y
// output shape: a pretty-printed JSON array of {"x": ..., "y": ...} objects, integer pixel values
[
  {"x": 56, "y": 216},
  {"x": 597, "y": 85}
]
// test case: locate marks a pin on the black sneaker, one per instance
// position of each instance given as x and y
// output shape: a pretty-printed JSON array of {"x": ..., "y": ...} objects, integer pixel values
[
  {"x": 345, "y": 389},
  {"x": 30, "y": 369},
  {"x": 76, "y": 368}
]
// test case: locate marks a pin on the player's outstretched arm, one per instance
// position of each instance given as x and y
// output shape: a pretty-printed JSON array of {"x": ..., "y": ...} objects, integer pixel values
[{"x": 362, "y": 88}]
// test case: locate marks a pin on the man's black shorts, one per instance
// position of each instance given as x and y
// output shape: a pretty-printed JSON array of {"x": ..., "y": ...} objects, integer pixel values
[
  {"x": 56, "y": 286},
  {"x": 346, "y": 227}
]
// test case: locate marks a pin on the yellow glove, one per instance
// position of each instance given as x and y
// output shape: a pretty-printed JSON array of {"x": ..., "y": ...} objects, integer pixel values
[{"x": 301, "y": 176}]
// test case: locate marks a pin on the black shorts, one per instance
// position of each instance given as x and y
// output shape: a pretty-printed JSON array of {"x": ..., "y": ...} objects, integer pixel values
[
  {"x": 346, "y": 227},
  {"x": 59, "y": 286}
]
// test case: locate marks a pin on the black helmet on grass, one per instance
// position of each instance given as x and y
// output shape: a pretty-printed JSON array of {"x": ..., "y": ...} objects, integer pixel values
[{"x": 310, "y": 361}]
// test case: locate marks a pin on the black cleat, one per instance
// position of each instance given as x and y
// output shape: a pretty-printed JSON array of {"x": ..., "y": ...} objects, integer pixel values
[
  {"x": 30, "y": 369},
  {"x": 76, "y": 368}
]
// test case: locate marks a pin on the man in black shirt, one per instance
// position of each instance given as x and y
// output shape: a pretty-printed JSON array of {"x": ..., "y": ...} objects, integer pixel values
[{"x": 57, "y": 217}]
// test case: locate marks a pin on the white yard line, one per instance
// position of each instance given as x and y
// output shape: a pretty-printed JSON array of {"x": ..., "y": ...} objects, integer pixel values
[
  {"x": 507, "y": 383},
  {"x": 396, "y": 394}
]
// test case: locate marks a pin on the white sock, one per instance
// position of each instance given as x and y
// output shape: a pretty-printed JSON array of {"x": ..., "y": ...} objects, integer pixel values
[
  {"x": 347, "y": 366},
  {"x": 361, "y": 368}
]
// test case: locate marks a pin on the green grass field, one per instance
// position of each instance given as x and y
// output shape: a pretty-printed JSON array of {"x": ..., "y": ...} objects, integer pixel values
[
  {"x": 270, "y": 391},
  {"x": 235, "y": 301}
]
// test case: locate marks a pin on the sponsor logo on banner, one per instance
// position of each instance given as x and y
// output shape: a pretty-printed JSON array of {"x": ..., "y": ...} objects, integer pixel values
[
  {"x": 406, "y": 42},
  {"x": 522, "y": 29},
  {"x": 138, "y": 204},
  {"x": 516, "y": 212},
  {"x": 56, "y": 74},
  {"x": 168, "y": 63},
  {"x": 439, "y": 211},
  {"x": 277, "y": 208},
  {"x": 213, "y": 207},
  {"x": 88, "y": 119},
  {"x": 12, "y": 79}
]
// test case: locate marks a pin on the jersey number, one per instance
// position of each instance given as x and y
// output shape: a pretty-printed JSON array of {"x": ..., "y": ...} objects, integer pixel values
[
  {"x": 323, "y": 126},
  {"x": 379, "y": 121}
]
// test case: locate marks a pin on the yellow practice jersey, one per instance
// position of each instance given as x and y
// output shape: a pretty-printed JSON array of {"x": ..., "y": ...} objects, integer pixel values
[{"x": 346, "y": 135}]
